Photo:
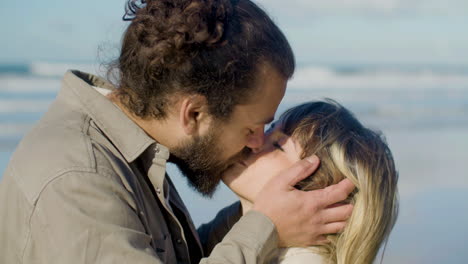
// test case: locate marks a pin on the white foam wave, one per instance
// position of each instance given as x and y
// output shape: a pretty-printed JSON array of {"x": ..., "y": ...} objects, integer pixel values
[
  {"x": 28, "y": 84},
  {"x": 23, "y": 106},
  {"x": 322, "y": 77}
]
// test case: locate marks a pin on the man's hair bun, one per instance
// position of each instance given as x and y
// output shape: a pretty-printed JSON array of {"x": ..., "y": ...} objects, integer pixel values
[{"x": 177, "y": 29}]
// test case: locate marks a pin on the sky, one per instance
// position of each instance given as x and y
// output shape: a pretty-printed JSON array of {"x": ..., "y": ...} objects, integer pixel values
[{"x": 320, "y": 31}]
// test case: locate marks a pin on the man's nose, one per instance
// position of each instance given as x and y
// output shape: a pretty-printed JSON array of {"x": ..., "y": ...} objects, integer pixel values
[{"x": 255, "y": 141}]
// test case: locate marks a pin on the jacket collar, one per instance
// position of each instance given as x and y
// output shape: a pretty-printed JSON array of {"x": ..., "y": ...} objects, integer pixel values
[{"x": 125, "y": 134}]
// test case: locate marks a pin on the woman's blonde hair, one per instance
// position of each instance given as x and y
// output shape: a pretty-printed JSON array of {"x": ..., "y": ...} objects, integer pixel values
[{"x": 347, "y": 149}]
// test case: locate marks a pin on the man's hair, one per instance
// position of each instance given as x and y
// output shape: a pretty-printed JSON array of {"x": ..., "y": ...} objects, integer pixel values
[
  {"x": 212, "y": 48},
  {"x": 347, "y": 149}
]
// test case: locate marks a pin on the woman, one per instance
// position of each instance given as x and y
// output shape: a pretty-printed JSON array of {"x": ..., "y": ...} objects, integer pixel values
[{"x": 346, "y": 150}]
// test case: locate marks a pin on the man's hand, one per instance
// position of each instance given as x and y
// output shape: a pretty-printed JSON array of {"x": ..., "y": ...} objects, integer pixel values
[{"x": 303, "y": 218}]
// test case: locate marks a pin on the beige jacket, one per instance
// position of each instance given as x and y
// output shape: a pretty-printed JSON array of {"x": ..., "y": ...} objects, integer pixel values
[{"x": 87, "y": 185}]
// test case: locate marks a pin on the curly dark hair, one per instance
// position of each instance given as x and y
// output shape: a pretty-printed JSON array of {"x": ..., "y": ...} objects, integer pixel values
[{"x": 208, "y": 47}]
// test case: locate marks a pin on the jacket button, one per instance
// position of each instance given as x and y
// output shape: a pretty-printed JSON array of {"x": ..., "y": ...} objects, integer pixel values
[{"x": 179, "y": 241}]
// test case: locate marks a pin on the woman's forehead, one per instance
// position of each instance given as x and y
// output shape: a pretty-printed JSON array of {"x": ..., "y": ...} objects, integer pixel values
[{"x": 290, "y": 145}]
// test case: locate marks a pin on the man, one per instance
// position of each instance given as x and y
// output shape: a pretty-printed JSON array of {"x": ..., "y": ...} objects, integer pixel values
[{"x": 197, "y": 82}]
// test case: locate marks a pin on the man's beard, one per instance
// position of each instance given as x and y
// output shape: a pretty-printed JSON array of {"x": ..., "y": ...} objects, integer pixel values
[{"x": 198, "y": 160}]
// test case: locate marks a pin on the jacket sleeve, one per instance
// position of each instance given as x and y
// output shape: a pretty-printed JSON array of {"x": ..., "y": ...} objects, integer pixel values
[
  {"x": 83, "y": 217},
  {"x": 253, "y": 239}
]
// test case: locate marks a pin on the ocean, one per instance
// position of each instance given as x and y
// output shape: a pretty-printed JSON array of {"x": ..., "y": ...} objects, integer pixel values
[{"x": 421, "y": 109}]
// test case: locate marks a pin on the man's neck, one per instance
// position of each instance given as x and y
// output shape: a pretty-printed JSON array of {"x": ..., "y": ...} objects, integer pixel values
[{"x": 159, "y": 130}]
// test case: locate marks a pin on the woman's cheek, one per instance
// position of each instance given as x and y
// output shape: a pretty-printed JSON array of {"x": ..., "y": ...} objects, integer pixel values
[
  {"x": 262, "y": 175},
  {"x": 247, "y": 185},
  {"x": 232, "y": 174}
]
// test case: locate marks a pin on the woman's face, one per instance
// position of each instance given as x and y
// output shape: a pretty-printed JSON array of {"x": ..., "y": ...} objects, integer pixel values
[{"x": 279, "y": 152}]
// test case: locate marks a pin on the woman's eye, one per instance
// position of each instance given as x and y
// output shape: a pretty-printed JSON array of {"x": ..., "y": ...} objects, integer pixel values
[
  {"x": 277, "y": 145},
  {"x": 251, "y": 132}
]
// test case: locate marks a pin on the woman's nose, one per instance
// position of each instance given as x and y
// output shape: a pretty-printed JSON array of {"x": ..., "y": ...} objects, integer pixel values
[{"x": 255, "y": 141}]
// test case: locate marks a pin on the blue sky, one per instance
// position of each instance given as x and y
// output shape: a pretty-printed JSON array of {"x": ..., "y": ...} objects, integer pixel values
[{"x": 320, "y": 31}]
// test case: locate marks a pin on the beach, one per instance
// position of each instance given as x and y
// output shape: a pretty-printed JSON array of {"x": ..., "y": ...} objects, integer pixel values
[{"x": 423, "y": 113}]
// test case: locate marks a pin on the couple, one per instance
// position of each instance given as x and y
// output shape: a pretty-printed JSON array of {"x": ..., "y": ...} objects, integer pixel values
[{"x": 197, "y": 82}]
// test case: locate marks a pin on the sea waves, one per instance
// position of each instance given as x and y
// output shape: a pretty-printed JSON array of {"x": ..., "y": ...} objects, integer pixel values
[
  {"x": 380, "y": 77},
  {"x": 383, "y": 96}
]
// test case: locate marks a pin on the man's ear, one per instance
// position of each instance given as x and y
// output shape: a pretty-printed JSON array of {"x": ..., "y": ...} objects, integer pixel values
[{"x": 193, "y": 113}]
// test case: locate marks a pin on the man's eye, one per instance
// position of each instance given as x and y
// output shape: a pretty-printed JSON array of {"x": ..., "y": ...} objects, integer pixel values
[
  {"x": 277, "y": 145},
  {"x": 251, "y": 132}
]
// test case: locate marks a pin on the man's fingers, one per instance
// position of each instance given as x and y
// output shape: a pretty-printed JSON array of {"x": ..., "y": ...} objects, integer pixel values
[
  {"x": 321, "y": 240},
  {"x": 301, "y": 170},
  {"x": 338, "y": 192},
  {"x": 335, "y": 227},
  {"x": 337, "y": 213}
]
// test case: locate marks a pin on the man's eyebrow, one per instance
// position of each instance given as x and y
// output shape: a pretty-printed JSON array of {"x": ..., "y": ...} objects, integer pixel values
[{"x": 267, "y": 121}]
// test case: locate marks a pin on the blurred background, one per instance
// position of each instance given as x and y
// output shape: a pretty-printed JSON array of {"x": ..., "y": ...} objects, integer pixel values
[{"x": 400, "y": 66}]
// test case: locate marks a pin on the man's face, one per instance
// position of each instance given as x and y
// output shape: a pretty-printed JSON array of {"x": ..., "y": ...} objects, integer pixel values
[{"x": 203, "y": 159}]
